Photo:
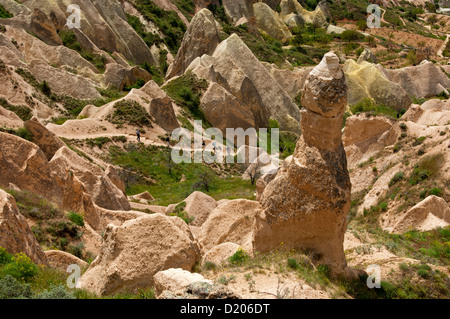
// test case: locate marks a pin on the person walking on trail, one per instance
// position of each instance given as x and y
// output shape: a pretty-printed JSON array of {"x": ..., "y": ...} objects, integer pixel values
[
  {"x": 214, "y": 146},
  {"x": 228, "y": 150},
  {"x": 203, "y": 143},
  {"x": 138, "y": 134}
]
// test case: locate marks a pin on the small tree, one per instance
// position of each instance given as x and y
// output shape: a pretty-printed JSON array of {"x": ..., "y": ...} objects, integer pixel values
[{"x": 205, "y": 181}]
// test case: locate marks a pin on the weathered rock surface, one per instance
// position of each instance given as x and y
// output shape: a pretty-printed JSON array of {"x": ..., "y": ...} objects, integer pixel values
[
  {"x": 135, "y": 251},
  {"x": 422, "y": 81},
  {"x": 47, "y": 141},
  {"x": 176, "y": 280},
  {"x": 237, "y": 9},
  {"x": 198, "y": 205},
  {"x": 201, "y": 37},
  {"x": 219, "y": 254},
  {"x": 15, "y": 234},
  {"x": 269, "y": 21},
  {"x": 365, "y": 80},
  {"x": 367, "y": 55},
  {"x": 364, "y": 136},
  {"x": 24, "y": 164},
  {"x": 43, "y": 28},
  {"x": 103, "y": 191},
  {"x": 120, "y": 77},
  {"x": 236, "y": 69},
  {"x": 61, "y": 260},
  {"x": 430, "y": 213},
  {"x": 232, "y": 221},
  {"x": 306, "y": 205},
  {"x": 294, "y": 14}
]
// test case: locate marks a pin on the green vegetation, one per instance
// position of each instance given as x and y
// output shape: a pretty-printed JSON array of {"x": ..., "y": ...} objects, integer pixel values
[
  {"x": 130, "y": 112},
  {"x": 369, "y": 106},
  {"x": 397, "y": 178},
  {"x": 4, "y": 14},
  {"x": 186, "y": 7},
  {"x": 22, "y": 132},
  {"x": 69, "y": 40},
  {"x": 179, "y": 211},
  {"x": 21, "y": 111},
  {"x": 75, "y": 218},
  {"x": 99, "y": 141},
  {"x": 428, "y": 167},
  {"x": 167, "y": 22},
  {"x": 186, "y": 91},
  {"x": 175, "y": 181},
  {"x": 239, "y": 257}
]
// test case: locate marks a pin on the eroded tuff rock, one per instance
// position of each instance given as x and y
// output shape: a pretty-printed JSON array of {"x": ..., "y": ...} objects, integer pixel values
[
  {"x": 47, "y": 141},
  {"x": 43, "y": 28},
  {"x": 270, "y": 22},
  {"x": 306, "y": 205},
  {"x": 24, "y": 164},
  {"x": 15, "y": 234},
  {"x": 201, "y": 37},
  {"x": 135, "y": 251}
]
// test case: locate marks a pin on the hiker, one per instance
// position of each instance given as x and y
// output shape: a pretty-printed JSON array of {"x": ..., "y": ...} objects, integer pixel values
[
  {"x": 228, "y": 150},
  {"x": 138, "y": 133},
  {"x": 203, "y": 143},
  {"x": 214, "y": 146}
]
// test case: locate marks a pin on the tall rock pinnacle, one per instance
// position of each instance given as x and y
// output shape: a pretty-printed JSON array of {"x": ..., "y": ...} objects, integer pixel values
[{"x": 306, "y": 205}]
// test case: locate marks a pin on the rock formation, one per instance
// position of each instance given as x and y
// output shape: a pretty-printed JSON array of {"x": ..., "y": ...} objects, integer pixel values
[
  {"x": 61, "y": 260},
  {"x": 135, "y": 251},
  {"x": 422, "y": 81},
  {"x": 430, "y": 213},
  {"x": 197, "y": 205},
  {"x": 44, "y": 29},
  {"x": 365, "y": 80},
  {"x": 269, "y": 21},
  {"x": 238, "y": 9},
  {"x": 47, "y": 141},
  {"x": 201, "y": 37},
  {"x": 306, "y": 205},
  {"x": 15, "y": 234}
]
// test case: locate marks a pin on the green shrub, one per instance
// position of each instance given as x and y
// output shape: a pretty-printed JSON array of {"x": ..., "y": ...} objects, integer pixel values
[
  {"x": 45, "y": 88},
  {"x": 5, "y": 257},
  {"x": 75, "y": 218},
  {"x": 10, "y": 288},
  {"x": 4, "y": 14},
  {"x": 24, "y": 133},
  {"x": 129, "y": 112},
  {"x": 397, "y": 178},
  {"x": 239, "y": 257},
  {"x": 98, "y": 141},
  {"x": 55, "y": 292},
  {"x": 351, "y": 35},
  {"x": 368, "y": 105},
  {"x": 21, "y": 267},
  {"x": 292, "y": 263},
  {"x": 419, "y": 140},
  {"x": 21, "y": 111},
  {"x": 436, "y": 191}
]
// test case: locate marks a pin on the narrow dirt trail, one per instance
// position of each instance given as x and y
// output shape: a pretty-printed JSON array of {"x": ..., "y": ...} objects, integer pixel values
[{"x": 442, "y": 48}]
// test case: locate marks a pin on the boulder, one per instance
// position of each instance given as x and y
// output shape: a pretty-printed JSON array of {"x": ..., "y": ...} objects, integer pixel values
[
  {"x": 219, "y": 254},
  {"x": 44, "y": 29},
  {"x": 61, "y": 260},
  {"x": 293, "y": 12},
  {"x": 232, "y": 221},
  {"x": 198, "y": 205},
  {"x": 176, "y": 280},
  {"x": 365, "y": 80},
  {"x": 421, "y": 81},
  {"x": 269, "y": 21},
  {"x": 97, "y": 184},
  {"x": 24, "y": 164},
  {"x": 144, "y": 197},
  {"x": 433, "y": 112},
  {"x": 201, "y": 37},
  {"x": 9, "y": 119},
  {"x": 201, "y": 290},
  {"x": 430, "y": 213},
  {"x": 47, "y": 141},
  {"x": 306, "y": 204},
  {"x": 15, "y": 234},
  {"x": 138, "y": 249}
]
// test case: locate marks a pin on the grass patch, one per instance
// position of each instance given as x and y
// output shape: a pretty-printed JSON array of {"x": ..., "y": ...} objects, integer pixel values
[
  {"x": 369, "y": 106},
  {"x": 21, "y": 111},
  {"x": 130, "y": 112},
  {"x": 153, "y": 161}
]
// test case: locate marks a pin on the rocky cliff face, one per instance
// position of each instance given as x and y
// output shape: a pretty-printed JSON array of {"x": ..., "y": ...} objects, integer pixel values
[{"x": 306, "y": 205}]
